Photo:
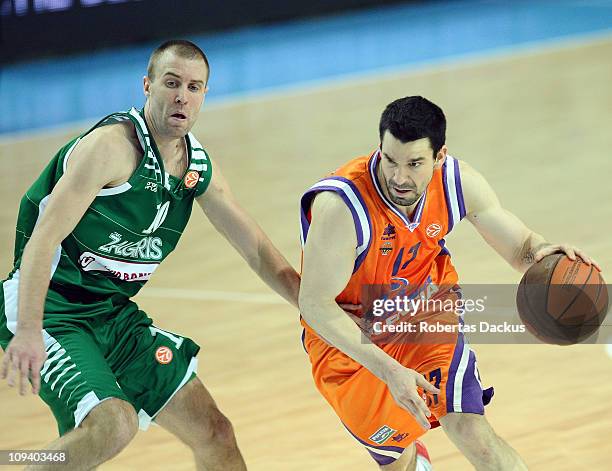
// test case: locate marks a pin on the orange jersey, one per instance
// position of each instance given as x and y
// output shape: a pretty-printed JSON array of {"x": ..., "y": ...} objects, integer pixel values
[
  {"x": 399, "y": 252},
  {"x": 393, "y": 249}
]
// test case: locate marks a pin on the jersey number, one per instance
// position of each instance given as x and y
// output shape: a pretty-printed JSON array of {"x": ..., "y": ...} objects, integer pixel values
[{"x": 414, "y": 251}]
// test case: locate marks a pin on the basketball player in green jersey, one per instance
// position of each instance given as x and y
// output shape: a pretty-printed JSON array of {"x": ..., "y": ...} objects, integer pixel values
[{"x": 109, "y": 207}]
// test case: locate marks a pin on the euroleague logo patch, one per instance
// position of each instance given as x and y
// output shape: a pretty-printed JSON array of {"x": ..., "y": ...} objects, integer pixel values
[
  {"x": 163, "y": 355},
  {"x": 433, "y": 229},
  {"x": 191, "y": 179}
]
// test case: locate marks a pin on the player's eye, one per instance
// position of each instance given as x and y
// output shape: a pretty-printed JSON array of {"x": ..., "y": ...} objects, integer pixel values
[
  {"x": 170, "y": 83},
  {"x": 415, "y": 164},
  {"x": 194, "y": 88}
]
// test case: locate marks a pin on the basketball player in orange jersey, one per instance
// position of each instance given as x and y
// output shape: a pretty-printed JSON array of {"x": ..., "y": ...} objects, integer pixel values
[{"x": 382, "y": 220}]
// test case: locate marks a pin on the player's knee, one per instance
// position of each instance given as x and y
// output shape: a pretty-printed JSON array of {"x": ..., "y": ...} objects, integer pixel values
[
  {"x": 112, "y": 424},
  {"x": 475, "y": 435},
  {"x": 217, "y": 431}
]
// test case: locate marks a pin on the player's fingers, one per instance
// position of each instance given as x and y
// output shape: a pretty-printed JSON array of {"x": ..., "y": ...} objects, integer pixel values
[
  {"x": 24, "y": 370},
  {"x": 586, "y": 259},
  {"x": 544, "y": 251},
  {"x": 427, "y": 386},
  {"x": 421, "y": 412},
  {"x": 13, "y": 370},
  {"x": 35, "y": 376},
  {"x": 6, "y": 361},
  {"x": 404, "y": 401},
  {"x": 569, "y": 251},
  {"x": 421, "y": 404}
]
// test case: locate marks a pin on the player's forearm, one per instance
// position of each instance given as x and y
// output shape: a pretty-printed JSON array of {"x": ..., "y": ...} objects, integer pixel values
[
  {"x": 335, "y": 327},
  {"x": 276, "y": 271},
  {"x": 34, "y": 277},
  {"x": 526, "y": 255}
]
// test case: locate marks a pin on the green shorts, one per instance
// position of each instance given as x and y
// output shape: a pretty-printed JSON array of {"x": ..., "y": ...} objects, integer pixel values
[{"x": 111, "y": 350}]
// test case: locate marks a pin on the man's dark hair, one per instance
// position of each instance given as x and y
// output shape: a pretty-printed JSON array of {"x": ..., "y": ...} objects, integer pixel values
[
  {"x": 182, "y": 48},
  {"x": 412, "y": 118}
]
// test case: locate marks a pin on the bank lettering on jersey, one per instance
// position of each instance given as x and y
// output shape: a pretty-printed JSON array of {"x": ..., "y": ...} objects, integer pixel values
[{"x": 126, "y": 271}]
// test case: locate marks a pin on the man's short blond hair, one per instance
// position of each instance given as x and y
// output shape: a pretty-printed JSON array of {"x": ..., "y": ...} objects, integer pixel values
[{"x": 182, "y": 48}]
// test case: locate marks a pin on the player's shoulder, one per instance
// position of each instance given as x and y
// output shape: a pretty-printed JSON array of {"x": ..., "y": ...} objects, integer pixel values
[
  {"x": 469, "y": 175},
  {"x": 477, "y": 191},
  {"x": 112, "y": 144},
  {"x": 119, "y": 137},
  {"x": 332, "y": 220},
  {"x": 112, "y": 149},
  {"x": 330, "y": 206}
]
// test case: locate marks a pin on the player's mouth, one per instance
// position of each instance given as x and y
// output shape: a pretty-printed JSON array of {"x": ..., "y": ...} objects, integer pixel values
[
  {"x": 179, "y": 116},
  {"x": 402, "y": 191}
]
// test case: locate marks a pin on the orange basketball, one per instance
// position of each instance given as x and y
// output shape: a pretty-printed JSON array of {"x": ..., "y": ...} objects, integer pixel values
[{"x": 561, "y": 301}]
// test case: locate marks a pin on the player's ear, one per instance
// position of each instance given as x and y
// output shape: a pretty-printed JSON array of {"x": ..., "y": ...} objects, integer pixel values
[
  {"x": 441, "y": 156},
  {"x": 146, "y": 85}
]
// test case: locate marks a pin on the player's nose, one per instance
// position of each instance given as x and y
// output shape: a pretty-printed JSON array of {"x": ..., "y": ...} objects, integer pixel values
[
  {"x": 181, "y": 97},
  {"x": 402, "y": 178}
]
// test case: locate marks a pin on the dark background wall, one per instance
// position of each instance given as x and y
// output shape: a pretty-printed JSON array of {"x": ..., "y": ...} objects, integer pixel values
[{"x": 34, "y": 28}]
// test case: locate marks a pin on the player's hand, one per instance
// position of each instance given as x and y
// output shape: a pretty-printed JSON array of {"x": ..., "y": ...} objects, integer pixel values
[
  {"x": 402, "y": 383},
  {"x": 569, "y": 250},
  {"x": 23, "y": 358}
]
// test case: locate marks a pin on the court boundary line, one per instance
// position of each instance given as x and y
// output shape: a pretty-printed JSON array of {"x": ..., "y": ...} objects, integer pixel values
[{"x": 212, "y": 295}]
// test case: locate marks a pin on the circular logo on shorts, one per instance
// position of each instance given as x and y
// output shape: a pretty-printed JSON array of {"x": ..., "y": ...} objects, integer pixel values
[
  {"x": 433, "y": 229},
  {"x": 191, "y": 179},
  {"x": 163, "y": 355}
]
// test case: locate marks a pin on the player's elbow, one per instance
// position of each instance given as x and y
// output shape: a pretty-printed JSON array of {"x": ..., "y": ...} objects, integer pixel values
[
  {"x": 312, "y": 306},
  {"x": 308, "y": 303}
]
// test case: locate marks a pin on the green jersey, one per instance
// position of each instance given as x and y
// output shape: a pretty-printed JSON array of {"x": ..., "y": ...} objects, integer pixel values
[{"x": 127, "y": 231}]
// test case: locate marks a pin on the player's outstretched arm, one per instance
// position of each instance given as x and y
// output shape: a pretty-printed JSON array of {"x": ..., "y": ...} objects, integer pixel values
[
  {"x": 97, "y": 161},
  {"x": 329, "y": 257},
  {"x": 502, "y": 230},
  {"x": 245, "y": 235}
]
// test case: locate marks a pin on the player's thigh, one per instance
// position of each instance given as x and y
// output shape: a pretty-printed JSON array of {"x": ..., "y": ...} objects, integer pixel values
[
  {"x": 75, "y": 378},
  {"x": 151, "y": 364},
  {"x": 363, "y": 403},
  {"x": 193, "y": 416}
]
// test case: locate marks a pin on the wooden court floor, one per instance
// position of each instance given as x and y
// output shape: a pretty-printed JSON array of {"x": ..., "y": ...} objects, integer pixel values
[{"x": 536, "y": 125}]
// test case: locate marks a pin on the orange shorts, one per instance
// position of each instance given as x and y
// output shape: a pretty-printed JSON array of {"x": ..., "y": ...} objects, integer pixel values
[{"x": 365, "y": 406}]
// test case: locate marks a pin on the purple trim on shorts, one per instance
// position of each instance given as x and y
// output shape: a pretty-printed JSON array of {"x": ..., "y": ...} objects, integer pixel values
[
  {"x": 397, "y": 449},
  {"x": 451, "y": 221},
  {"x": 472, "y": 394},
  {"x": 459, "y": 190},
  {"x": 382, "y": 460},
  {"x": 450, "y": 383},
  {"x": 487, "y": 395}
]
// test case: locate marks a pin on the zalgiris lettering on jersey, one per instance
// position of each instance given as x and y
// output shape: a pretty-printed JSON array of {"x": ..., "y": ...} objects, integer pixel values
[{"x": 147, "y": 248}]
